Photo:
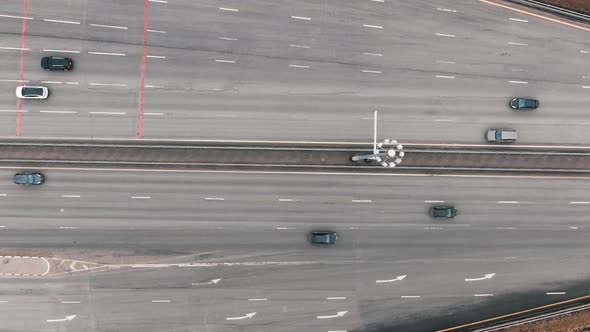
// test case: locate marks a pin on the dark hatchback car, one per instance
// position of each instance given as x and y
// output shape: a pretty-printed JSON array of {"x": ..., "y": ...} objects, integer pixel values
[
  {"x": 524, "y": 104},
  {"x": 323, "y": 237},
  {"x": 443, "y": 212},
  {"x": 57, "y": 63},
  {"x": 29, "y": 178}
]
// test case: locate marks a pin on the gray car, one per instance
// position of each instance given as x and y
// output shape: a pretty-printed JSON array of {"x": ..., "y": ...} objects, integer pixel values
[
  {"x": 501, "y": 135},
  {"x": 29, "y": 178},
  {"x": 323, "y": 237}
]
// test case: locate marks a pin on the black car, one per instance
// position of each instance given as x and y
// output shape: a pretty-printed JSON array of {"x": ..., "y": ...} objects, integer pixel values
[
  {"x": 524, "y": 104},
  {"x": 29, "y": 178},
  {"x": 323, "y": 237},
  {"x": 443, "y": 212},
  {"x": 57, "y": 63}
]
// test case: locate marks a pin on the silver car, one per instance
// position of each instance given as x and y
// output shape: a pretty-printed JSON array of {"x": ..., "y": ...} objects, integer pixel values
[{"x": 501, "y": 135}]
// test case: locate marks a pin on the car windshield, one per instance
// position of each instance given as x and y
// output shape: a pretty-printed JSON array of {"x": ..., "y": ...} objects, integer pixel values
[
  {"x": 32, "y": 92},
  {"x": 498, "y": 135}
]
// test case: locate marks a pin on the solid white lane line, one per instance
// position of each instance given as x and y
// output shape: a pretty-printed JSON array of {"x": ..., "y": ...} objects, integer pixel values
[
  {"x": 70, "y": 196},
  {"x": 140, "y": 197},
  {"x": 445, "y": 35},
  {"x": 555, "y": 293},
  {"x": 156, "y": 31},
  {"x": 518, "y": 20},
  {"x": 518, "y": 82},
  {"x": 152, "y": 113},
  {"x": 301, "y": 18},
  {"x": 444, "y": 76},
  {"x": 227, "y": 38},
  {"x": 108, "y": 113},
  {"x": 517, "y": 44},
  {"x": 362, "y": 201},
  {"x": 434, "y": 201},
  {"x": 106, "y": 53},
  {"x": 410, "y": 296},
  {"x": 579, "y": 202},
  {"x": 508, "y": 202},
  {"x": 374, "y": 54},
  {"x": 225, "y": 61},
  {"x": 107, "y": 84},
  {"x": 214, "y": 198},
  {"x": 298, "y": 46},
  {"x": 109, "y": 26},
  {"x": 336, "y": 298},
  {"x": 14, "y": 48},
  {"x": 447, "y": 62},
  {"x": 372, "y": 71},
  {"x": 60, "y": 51},
  {"x": 298, "y": 66},
  {"x": 229, "y": 9},
  {"x": 59, "y": 112},
  {"x": 156, "y": 56},
  {"x": 253, "y": 300},
  {"x": 483, "y": 295},
  {"x": 19, "y": 17},
  {"x": 373, "y": 26},
  {"x": 59, "y": 21},
  {"x": 70, "y": 302},
  {"x": 447, "y": 10},
  {"x": 161, "y": 301}
]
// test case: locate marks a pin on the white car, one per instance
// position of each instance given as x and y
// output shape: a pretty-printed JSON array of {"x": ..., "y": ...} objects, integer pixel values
[{"x": 32, "y": 92}]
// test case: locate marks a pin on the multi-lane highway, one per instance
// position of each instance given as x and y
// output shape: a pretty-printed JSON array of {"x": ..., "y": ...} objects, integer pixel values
[
  {"x": 159, "y": 240},
  {"x": 140, "y": 250},
  {"x": 436, "y": 70}
]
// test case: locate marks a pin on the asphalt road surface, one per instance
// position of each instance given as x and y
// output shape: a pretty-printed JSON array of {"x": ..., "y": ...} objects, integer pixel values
[
  {"x": 160, "y": 240},
  {"x": 438, "y": 71}
]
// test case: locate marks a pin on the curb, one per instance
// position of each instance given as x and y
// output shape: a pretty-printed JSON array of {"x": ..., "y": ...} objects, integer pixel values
[{"x": 554, "y": 10}]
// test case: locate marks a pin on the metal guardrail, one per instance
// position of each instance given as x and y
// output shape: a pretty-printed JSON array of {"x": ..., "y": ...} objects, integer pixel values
[{"x": 554, "y": 10}]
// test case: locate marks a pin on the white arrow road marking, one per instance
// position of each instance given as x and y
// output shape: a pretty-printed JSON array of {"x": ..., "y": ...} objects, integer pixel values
[
  {"x": 249, "y": 315},
  {"x": 61, "y": 320},
  {"x": 210, "y": 282},
  {"x": 338, "y": 314},
  {"x": 487, "y": 276},
  {"x": 402, "y": 277}
]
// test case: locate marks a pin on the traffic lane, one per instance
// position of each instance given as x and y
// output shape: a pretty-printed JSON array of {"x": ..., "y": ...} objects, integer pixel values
[{"x": 275, "y": 248}]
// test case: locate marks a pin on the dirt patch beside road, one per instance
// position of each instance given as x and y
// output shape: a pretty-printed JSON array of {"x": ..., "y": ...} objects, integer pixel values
[
  {"x": 580, "y": 6},
  {"x": 576, "y": 322}
]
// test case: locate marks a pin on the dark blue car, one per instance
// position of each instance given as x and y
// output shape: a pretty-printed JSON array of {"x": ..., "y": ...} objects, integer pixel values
[{"x": 324, "y": 237}]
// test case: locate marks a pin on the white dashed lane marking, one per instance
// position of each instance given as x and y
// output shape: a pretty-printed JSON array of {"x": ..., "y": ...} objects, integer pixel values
[
  {"x": 301, "y": 18},
  {"x": 59, "y": 21},
  {"x": 445, "y": 35},
  {"x": 156, "y": 31},
  {"x": 106, "y": 53},
  {"x": 17, "y": 17},
  {"x": 227, "y": 38},
  {"x": 109, "y": 26},
  {"x": 518, "y": 20},
  {"x": 298, "y": 46},
  {"x": 60, "y": 51},
  {"x": 225, "y": 61},
  {"x": 372, "y": 26}
]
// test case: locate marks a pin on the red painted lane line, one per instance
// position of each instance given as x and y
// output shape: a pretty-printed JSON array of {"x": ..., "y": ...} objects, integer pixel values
[
  {"x": 23, "y": 44},
  {"x": 143, "y": 64}
]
